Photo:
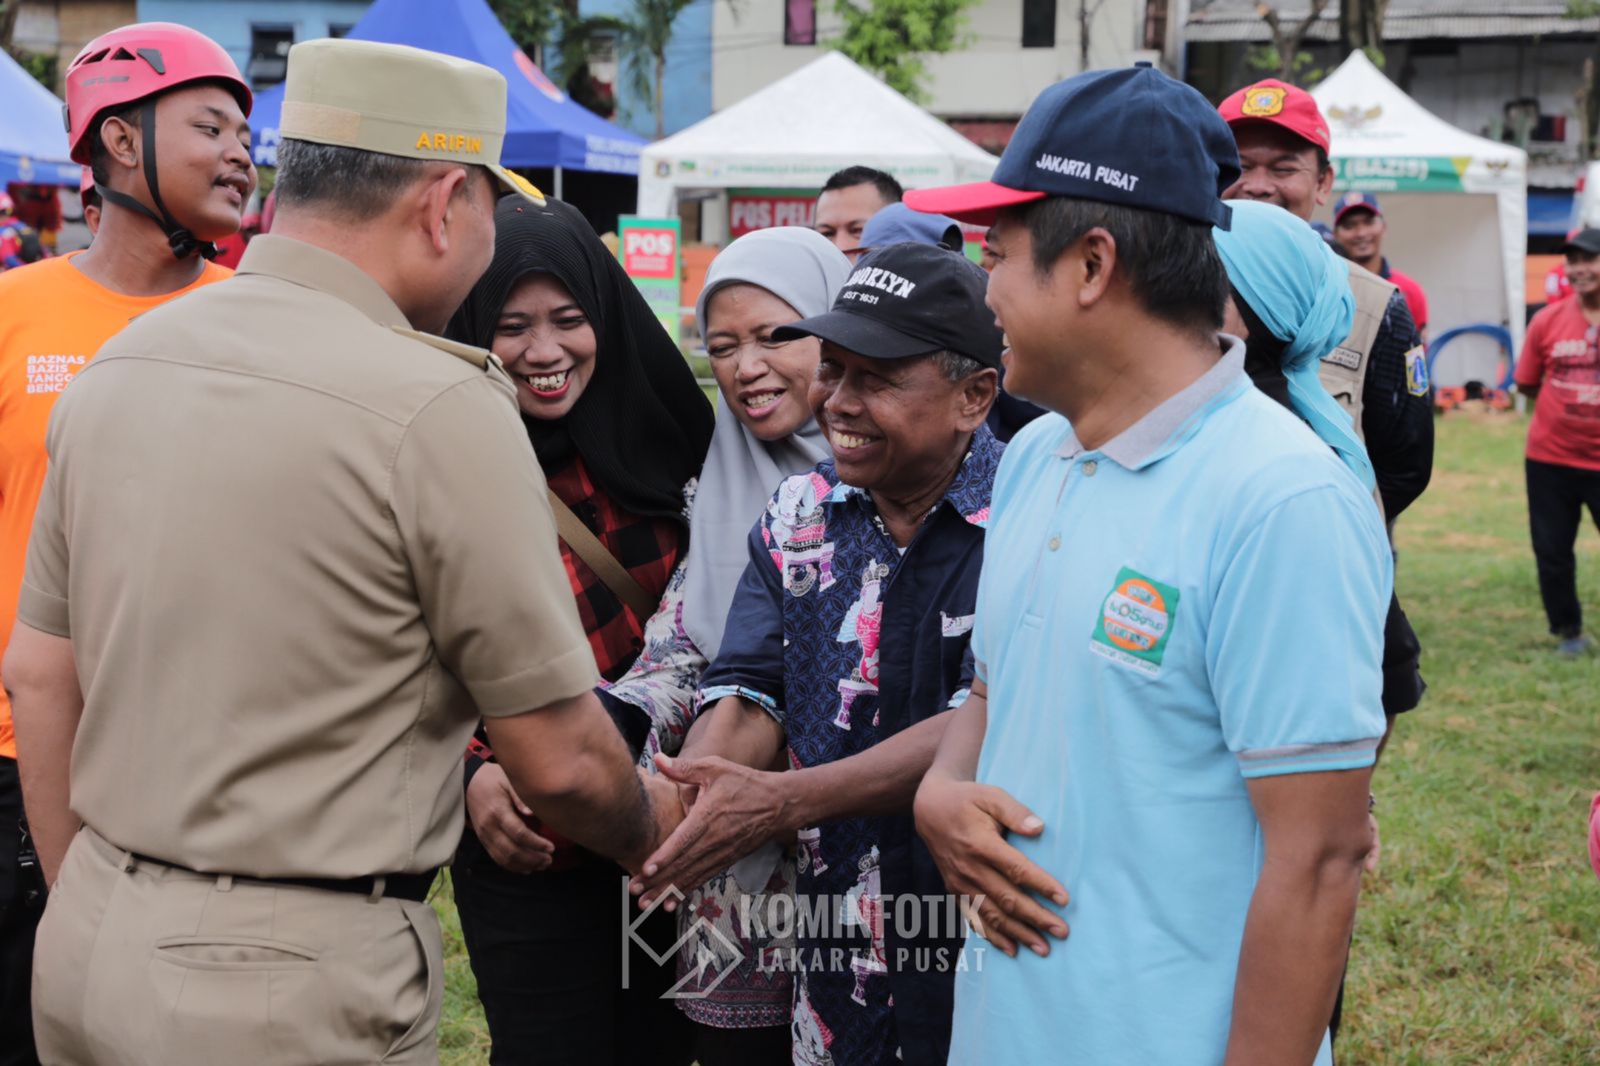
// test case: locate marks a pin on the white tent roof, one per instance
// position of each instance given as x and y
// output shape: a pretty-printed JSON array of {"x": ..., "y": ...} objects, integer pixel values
[
  {"x": 1456, "y": 205},
  {"x": 1371, "y": 116},
  {"x": 797, "y": 131}
]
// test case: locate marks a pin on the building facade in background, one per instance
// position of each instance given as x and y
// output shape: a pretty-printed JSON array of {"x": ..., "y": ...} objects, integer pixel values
[
  {"x": 61, "y": 28},
  {"x": 688, "y": 69},
  {"x": 1015, "y": 49},
  {"x": 259, "y": 33},
  {"x": 1509, "y": 72}
]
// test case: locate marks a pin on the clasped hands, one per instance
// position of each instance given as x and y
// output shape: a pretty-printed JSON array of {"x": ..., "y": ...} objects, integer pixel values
[
  {"x": 505, "y": 825},
  {"x": 731, "y": 810},
  {"x": 726, "y": 811},
  {"x": 710, "y": 812}
]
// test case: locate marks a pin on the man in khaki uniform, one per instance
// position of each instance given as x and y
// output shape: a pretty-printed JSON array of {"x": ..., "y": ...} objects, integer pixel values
[{"x": 288, "y": 552}]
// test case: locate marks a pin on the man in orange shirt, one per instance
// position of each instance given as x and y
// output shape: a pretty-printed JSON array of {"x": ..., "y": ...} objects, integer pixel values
[{"x": 136, "y": 94}]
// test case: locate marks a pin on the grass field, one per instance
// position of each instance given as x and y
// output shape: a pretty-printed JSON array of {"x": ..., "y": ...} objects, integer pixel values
[{"x": 1479, "y": 938}]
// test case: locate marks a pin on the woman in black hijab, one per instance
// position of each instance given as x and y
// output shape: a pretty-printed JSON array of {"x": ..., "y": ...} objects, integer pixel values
[{"x": 620, "y": 426}]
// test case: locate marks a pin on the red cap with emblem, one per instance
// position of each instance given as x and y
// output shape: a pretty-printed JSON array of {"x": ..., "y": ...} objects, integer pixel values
[{"x": 1280, "y": 104}]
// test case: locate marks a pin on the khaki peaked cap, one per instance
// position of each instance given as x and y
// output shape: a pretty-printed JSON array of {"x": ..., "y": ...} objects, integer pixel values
[{"x": 401, "y": 101}]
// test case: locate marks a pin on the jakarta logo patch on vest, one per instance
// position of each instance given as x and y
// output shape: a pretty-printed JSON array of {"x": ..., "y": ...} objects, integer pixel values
[
  {"x": 1135, "y": 622},
  {"x": 1417, "y": 371}
]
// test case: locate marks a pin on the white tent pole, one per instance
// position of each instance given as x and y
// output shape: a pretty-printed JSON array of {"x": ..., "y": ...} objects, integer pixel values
[{"x": 558, "y": 184}]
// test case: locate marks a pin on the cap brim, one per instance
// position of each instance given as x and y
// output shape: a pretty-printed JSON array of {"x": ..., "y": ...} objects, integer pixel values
[
  {"x": 1274, "y": 120},
  {"x": 859, "y": 334},
  {"x": 1580, "y": 246},
  {"x": 978, "y": 203},
  {"x": 516, "y": 183}
]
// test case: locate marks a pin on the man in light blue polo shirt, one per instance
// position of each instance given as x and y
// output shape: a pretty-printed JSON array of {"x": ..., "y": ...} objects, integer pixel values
[{"x": 1179, "y": 629}]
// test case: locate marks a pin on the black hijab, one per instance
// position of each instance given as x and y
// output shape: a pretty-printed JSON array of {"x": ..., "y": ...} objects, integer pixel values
[
  {"x": 642, "y": 425},
  {"x": 1263, "y": 354}
]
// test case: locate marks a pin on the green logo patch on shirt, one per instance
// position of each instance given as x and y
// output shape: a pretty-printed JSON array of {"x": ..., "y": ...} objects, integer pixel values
[{"x": 1135, "y": 621}]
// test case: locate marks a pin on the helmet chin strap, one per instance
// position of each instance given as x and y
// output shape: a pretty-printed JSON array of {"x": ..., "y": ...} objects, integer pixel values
[{"x": 183, "y": 243}]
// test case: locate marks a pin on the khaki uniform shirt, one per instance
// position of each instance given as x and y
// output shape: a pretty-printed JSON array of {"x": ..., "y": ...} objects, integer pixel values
[{"x": 298, "y": 551}]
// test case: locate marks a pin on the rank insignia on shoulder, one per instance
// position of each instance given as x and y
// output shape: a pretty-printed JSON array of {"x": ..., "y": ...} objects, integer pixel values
[{"x": 1417, "y": 382}]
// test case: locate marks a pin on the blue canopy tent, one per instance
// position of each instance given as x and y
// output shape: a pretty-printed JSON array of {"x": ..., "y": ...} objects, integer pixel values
[
  {"x": 33, "y": 141},
  {"x": 544, "y": 128}
]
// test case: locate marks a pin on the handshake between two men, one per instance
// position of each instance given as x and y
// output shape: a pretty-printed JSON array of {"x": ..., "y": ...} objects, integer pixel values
[{"x": 701, "y": 812}]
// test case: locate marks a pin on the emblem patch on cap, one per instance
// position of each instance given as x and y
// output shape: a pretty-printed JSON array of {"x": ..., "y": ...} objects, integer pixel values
[
  {"x": 1135, "y": 622},
  {"x": 1264, "y": 101}
]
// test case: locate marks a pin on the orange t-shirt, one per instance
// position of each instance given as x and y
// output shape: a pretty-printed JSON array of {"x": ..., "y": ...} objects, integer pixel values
[{"x": 53, "y": 320}]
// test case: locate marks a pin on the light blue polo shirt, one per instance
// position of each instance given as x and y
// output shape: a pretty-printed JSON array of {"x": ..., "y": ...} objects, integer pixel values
[{"x": 1197, "y": 603}]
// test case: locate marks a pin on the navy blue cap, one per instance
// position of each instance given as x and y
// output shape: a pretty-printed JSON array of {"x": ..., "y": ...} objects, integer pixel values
[
  {"x": 1356, "y": 201},
  {"x": 1133, "y": 137},
  {"x": 905, "y": 300},
  {"x": 898, "y": 224}
]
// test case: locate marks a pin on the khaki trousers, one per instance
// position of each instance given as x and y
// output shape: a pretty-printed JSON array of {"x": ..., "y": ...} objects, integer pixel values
[{"x": 139, "y": 964}]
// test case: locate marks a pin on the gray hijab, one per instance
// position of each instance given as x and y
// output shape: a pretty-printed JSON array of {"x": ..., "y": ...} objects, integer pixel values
[{"x": 804, "y": 270}]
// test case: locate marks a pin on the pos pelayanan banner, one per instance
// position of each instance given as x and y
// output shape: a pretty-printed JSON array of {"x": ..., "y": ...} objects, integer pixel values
[
  {"x": 1400, "y": 173},
  {"x": 649, "y": 250}
]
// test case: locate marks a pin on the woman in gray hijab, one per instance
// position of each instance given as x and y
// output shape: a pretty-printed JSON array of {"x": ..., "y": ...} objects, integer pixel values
[{"x": 764, "y": 433}]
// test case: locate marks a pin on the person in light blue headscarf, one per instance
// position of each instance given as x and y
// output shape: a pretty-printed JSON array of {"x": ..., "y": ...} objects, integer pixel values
[{"x": 1292, "y": 297}]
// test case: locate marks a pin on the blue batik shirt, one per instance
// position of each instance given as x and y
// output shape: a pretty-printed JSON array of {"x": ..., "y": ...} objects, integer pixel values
[{"x": 845, "y": 640}]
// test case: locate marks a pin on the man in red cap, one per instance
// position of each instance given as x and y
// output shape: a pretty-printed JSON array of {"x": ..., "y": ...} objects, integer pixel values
[
  {"x": 1359, "y": 225},
  {"x": 1379, "y": 375},
  {"x": 132, "y": 94}
]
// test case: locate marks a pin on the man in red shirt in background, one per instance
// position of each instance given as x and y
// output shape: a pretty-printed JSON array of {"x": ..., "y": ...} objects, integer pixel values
[
  {"x": 1359, "y": 225},
  {"x": 1560, "y": 369}
]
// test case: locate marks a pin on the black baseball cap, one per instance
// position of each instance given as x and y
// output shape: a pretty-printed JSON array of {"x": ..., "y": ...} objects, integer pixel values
[
  {"x": 1132, "y": 137},
  {"x": 1586, "y": 241},
  {"x": 905, "y": 300}
]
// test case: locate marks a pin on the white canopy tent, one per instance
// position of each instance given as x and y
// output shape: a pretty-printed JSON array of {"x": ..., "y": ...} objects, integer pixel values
[
  {"x": 1456, "y": 207},
  {"x": 793, "y": 134}
]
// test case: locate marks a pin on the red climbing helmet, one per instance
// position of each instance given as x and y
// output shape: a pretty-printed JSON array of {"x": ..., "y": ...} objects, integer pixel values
[
  {"x": 135, "y": 62},
  {"x": 134, "y": 65}
]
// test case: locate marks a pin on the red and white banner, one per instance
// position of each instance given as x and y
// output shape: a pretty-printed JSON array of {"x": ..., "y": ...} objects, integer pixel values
[{"x": 748, "y": 212}]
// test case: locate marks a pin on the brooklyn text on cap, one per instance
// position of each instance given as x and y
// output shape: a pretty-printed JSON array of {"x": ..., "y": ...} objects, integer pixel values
[
  {"x": 1279, "y": 104},
  {"x": 1356, "y": 201},
  {"x": 909, "y": 299},
  {"x": 1132, "y": 137},
  {"x": 401, "y": 101}
]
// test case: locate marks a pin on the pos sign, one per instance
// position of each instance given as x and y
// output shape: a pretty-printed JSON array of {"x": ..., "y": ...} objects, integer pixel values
[{"x": 649, "y": 253}]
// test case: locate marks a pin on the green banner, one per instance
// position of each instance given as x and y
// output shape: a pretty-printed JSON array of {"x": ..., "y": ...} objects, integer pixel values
[
  {"x": 649, "y": 250},
  {"x": 1400, "y": 173}
]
